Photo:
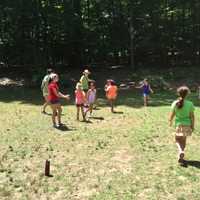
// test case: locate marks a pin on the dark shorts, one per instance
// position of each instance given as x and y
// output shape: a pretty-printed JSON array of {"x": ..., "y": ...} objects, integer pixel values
[{"x": 55, "y": 101}]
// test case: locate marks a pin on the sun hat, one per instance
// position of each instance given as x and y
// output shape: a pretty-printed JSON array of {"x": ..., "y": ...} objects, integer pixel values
[{"x": 86, "y": 71}]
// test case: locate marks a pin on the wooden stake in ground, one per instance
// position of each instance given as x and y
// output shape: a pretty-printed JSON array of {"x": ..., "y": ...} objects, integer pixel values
[{"x": 47, "y": 168}]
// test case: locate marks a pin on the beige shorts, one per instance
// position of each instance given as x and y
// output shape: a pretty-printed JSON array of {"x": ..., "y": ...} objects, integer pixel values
[{"x": 183, "y": 131}]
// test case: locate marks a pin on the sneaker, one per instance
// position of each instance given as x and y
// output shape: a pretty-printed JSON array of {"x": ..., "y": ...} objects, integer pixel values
[
  {"x": 60, "y": 125},
  {"x": 181, "y": 156},
  {"x": 55, "y": 126}
]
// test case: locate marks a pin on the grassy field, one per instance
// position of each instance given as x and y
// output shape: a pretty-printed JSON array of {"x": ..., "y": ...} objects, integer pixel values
[{"x": 125, "y": 156}]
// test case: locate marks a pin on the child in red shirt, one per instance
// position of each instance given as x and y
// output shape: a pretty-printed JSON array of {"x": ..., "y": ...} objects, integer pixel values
[{"x": 54, "y": 100}]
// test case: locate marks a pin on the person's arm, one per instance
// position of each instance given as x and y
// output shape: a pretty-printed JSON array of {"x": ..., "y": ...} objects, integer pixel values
[
  {"x": 63, "y": 96},
  {"x": 151, "y": 89},
  {"x": 171, "y": 117},
  {"x": 42, "y": 85},
  {"x": 81, "y": 80},
  {"x": 59, "y": 94},
  {"x": 192, "y": 117},
  {"x": 139, "y": 87},
  {"x": 106, "y": 88}
]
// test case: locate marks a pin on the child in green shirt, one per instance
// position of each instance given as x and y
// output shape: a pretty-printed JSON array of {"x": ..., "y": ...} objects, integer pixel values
[
  {"x": 85, "y": 80},
  {"x": 183, "y": 112}
]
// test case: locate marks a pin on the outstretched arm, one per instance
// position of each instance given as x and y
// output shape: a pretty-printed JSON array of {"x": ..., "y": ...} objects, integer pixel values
[
  {"x": 139, "y": 87},
  {"x": 151, "y": 89},
  {"x": 59, "y": 94},
  {"x": 171, "y": 117}
]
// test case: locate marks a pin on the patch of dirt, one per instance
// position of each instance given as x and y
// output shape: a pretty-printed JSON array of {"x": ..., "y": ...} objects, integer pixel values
[{"x": 121, "y": 161}]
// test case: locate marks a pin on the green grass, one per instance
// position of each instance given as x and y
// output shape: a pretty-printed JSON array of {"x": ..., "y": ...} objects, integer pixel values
[{"x": 126, "y": 156}]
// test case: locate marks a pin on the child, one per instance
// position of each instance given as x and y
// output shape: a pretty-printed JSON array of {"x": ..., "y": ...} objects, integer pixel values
[
  {"x": 111, "y": 93},
  {"x": 84, "y": 80},
  {"x": 91, "y": 97},
  {"x": 54, "y": 100},
  {"x": 183, "y": 111},
  {"x": 146, "y": 91},
  {"x": 44, "y": 88},
  {"x": 80, "y": 100}
]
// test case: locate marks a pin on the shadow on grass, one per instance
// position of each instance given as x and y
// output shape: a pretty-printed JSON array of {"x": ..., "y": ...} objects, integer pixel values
[
  {"x": 97, "y": 118},
  {"x": 118, "y": 112},
  {"x": 65, "y": 128},
  {"x": 131, "y": 98},
  {"x": 192, "y": 163}
]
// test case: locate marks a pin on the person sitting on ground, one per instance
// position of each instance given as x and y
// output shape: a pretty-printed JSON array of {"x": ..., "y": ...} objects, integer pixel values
[
  {"x": 54, "y": 100},
  {"x": 183, "y": 111},
  {"x": 44, "y": 88}
]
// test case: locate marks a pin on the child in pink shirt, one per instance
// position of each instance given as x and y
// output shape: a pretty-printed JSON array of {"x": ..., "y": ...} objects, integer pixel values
[
  {"x": 80, "y": 99},
  {"x": 91, "y": 97}
]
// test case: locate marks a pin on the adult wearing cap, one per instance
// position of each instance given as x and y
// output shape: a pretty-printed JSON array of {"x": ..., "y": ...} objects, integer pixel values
[
  {"x": 85, "y": 80},
  {"x": 44, "y": 88}
]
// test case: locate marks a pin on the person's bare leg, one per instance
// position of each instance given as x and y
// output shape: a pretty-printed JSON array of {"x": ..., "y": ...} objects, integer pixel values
[
  {"x": 112, "y": 106},
  {"x": 183, "y": 144},
  {"x": 54, "y": 115},
  {"x": 180, "y": 142},
  {"x": 78, "y": 111},
  {"x": 83, "y": 114},
  {"x": 45, "y": 104},
  {"x": 145, "y": 100},
  {"x": 59, "y": 109},
  {"x": 91, "y": 108}
]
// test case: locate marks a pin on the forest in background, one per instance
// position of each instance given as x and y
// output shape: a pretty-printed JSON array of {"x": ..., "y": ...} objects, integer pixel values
[{"x": 99, "y": 32}]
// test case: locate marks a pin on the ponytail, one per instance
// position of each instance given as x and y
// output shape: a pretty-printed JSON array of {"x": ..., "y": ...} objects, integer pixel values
[
  {"x": 182, "y": 92},
  {"x": 180, "y": 103}
]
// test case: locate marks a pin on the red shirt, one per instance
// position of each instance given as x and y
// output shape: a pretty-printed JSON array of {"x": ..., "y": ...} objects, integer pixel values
[
  {"x": 80, "y": 97},
  {"x": 51, "y": 87}
]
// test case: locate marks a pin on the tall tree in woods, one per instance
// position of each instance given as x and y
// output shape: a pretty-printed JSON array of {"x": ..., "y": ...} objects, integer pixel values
[{"x": 110, "y": 32}]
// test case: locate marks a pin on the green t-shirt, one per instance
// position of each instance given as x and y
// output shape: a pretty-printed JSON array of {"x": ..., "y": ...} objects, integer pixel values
[
  {"x": 182, "y": 115},
  {"x": 84, "y": 82}
]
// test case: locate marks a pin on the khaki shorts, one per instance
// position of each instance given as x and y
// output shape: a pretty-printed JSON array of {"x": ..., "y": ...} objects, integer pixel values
[{"x": 183, "y": 131}]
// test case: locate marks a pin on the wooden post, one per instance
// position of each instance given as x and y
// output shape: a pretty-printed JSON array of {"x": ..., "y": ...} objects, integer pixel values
[{"x": 47, "y": 168}]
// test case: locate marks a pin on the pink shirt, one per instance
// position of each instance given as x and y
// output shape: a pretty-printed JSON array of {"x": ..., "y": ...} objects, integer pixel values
[{"x": 79, "y": 97}]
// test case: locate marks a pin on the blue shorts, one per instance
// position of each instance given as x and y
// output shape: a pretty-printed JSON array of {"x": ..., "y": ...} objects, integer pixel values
[
  {"x": 55, "y": 101},
  {"x": 145, "y": 94}
]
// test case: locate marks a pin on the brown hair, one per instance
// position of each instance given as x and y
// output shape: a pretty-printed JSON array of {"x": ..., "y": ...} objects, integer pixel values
[{"x": 182, "y": 92}]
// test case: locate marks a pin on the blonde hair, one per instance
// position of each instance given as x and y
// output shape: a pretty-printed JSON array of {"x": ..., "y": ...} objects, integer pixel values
[{"x": 78, "y": 86}]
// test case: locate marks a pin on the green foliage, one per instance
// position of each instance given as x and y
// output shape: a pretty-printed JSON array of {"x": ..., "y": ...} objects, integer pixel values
[{"x": 82, "y": 31}]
